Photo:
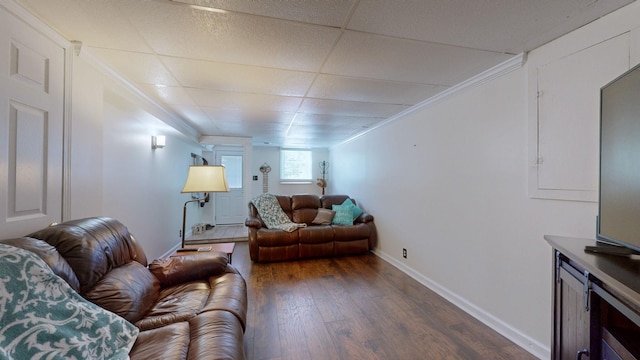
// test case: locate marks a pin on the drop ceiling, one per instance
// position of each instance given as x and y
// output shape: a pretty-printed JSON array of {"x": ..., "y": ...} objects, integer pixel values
[{"x": 305, "y": 73}]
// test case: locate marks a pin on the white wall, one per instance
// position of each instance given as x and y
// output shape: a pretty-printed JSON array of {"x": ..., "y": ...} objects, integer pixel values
[
  {"x": 271, "y": 156},
  {"x": 448, "y": 182},
  {"x": 114, "y": 172},
  {"x": 86, "y": 163}
]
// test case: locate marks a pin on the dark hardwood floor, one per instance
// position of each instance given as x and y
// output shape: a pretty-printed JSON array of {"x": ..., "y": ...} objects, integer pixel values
[{"x": 356, "y": 308}]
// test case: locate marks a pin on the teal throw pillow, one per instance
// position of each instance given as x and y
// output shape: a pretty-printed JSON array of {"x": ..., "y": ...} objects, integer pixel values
[
  {"x": 343, "y": 216},
  {"x": 355, "y": 210},
  {"x": 44, "y": 318}
]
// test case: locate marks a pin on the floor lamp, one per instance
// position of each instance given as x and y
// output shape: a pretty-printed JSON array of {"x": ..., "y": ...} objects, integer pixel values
[{"x": 202, "y": 179}]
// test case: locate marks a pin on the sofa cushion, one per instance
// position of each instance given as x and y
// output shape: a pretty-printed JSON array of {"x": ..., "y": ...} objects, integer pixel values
[
  {"x": 92, "y": 247},
  {"x": 129, "y": 291},
  {"x": 167, "y": 342},
  {"x": 176, "y": 303},
  {"x": 228, "y": 293},
  {"x": 38, "y": 307},
  {"x": 276, "y": 237},
  {"x": 324, "y": 217},
  {"x": 305, "y": 208},
  {"x": 315, "y": 234},
  {"x": 211, "y": 335},
  {"x": 50, "y": 255},
  {"x": 179, "y": 269},
  {"x": 328, "y": 201},
  {"x": 214, "y": 335},
  {"x": 351, "y": 233}
]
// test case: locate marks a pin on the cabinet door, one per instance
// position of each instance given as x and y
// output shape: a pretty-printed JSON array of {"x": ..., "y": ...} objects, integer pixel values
[
  {"x": 572, "y": 317},
  {"x": 567, "y": 113}
]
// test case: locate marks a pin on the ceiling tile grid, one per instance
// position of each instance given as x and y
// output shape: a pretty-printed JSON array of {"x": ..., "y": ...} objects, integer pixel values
[{"x": 305, "y": 73}]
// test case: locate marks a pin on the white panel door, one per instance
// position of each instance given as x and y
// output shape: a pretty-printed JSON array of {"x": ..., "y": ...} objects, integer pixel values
[
  {"x": 31, "y": 128},
  {"x": 230, "y": 205}
]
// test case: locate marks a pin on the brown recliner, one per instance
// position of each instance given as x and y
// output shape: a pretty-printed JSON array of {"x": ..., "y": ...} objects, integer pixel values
[
  {"x": 188, "y": 306},
  {"x": 313, "y": 240}
]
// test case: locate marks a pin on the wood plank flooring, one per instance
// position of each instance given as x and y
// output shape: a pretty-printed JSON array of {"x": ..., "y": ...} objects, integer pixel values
[{"x": 356, "y": 308}]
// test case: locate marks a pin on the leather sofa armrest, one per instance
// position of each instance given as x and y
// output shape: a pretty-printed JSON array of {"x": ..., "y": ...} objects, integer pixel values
[
  {"x": 185, "y": 268},
  {"x": 253, "y": 222},
  {"x": 364, "y": 218}
]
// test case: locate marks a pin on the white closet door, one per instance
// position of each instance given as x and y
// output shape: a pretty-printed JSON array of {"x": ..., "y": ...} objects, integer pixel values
[{"x": 31, "y": 128}]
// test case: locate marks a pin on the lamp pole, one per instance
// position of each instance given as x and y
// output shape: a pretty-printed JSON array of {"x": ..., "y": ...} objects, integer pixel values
[{"x": 184, "y": 216}]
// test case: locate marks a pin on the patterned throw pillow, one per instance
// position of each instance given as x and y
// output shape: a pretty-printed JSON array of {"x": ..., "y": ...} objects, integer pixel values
[
  {"x": 344, "y": 215},
  {"x": 42, "y": 317}
]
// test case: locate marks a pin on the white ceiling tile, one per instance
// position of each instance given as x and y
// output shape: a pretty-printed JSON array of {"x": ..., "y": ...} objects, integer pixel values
[
  {"x": 350, "y": 108},
  {"x": 137, "y": 67},
  {"x": 498, "y": 25},
  {"x": 386, "y": 58},
  {"x": 249, "y": 116},
  {"x": 77, "y": 20},
  {"x": 172, "y": 95},
  {"x": 197, "y": 118},
  {"x": 335, "y": 122},
  {"x": 263, "y": 67},
  {"x": 368, "y": 90},
  {"x": 325, "y": 12},
  {"x": 239, "y": 78},
  {"x": 232, "y": 38},
  {"x": 233, "y": 100}
]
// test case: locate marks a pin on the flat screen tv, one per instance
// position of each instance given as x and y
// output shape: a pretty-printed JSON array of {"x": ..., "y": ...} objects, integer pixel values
[{"x": 618, "y": 221}]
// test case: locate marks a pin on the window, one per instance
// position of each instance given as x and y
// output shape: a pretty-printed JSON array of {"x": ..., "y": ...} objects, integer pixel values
[
  {"x": 233, "y": 170},
  {"x": 295, "y": 166}
]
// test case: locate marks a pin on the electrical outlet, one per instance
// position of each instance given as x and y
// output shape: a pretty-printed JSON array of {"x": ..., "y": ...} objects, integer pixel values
[{"x": 404, "y": 253}]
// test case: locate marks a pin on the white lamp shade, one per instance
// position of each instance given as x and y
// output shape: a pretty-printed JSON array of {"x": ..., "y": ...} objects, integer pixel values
[{"x": 206, "y": 178}]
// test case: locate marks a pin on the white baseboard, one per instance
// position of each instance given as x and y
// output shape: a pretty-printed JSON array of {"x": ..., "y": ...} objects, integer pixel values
[{"x": 531, "y": 345}]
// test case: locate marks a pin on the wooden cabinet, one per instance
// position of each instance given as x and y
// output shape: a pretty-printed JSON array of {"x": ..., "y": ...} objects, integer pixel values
[
  {"x": 572, "y": 314},
  {"x": 596, "y": 309}
]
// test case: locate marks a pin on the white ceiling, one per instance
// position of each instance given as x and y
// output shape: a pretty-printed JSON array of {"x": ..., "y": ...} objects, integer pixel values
[{"x": 308, "y": 73}]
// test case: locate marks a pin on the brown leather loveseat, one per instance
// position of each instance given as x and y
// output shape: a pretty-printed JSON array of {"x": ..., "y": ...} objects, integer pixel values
[
  {"x": 314, "y": 240},
  {"x": 185, "y": 307}
]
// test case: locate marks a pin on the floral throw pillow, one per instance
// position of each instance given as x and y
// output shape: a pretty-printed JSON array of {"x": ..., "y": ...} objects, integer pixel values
[{"x": 42, "y": 317}]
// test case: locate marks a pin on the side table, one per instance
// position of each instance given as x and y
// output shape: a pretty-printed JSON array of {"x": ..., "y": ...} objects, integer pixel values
[{"x": 226, "y": 248}]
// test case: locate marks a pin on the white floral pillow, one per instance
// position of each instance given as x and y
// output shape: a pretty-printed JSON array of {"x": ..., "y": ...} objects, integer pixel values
[{"x": 42, "y": 317}]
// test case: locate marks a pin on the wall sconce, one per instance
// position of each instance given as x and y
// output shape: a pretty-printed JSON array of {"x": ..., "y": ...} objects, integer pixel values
[{"x": 158, "y": 142}]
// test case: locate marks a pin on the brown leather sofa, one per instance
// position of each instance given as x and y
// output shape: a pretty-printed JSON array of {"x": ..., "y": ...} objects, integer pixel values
[
  {"x": 310, "y": 241},
  {"x": 190, "y": 306}
]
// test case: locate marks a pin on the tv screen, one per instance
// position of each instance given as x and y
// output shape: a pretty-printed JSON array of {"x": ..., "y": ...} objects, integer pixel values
[{"x": 619, "y": 205}]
